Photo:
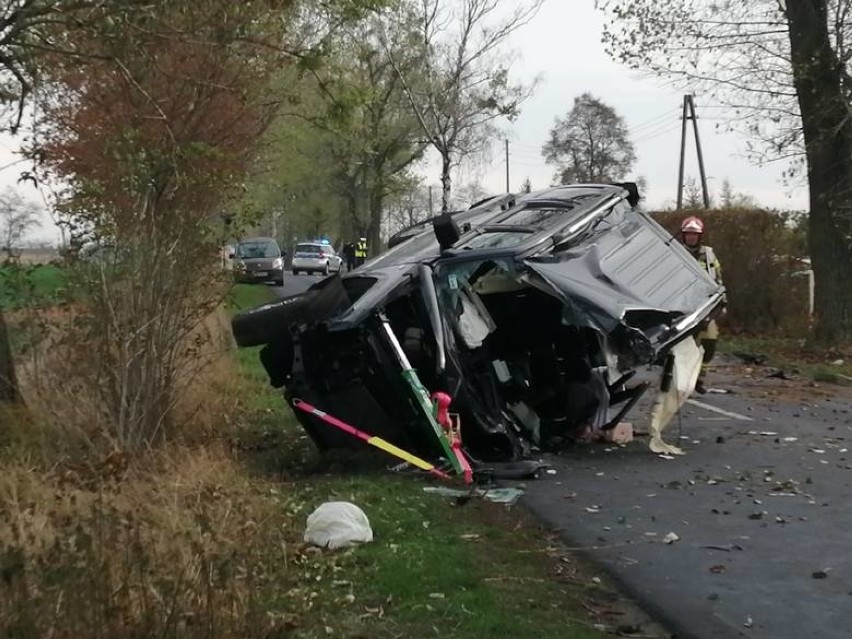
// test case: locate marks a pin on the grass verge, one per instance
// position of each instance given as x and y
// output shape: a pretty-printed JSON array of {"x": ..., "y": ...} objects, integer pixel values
[{"x": 793, "y": 356}]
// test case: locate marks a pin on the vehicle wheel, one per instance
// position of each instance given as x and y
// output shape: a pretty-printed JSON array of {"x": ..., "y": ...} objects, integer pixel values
[
  {"x": 295, "y": 271},
  {"x": 280, "y": 281},
  {"x": 325, "y": 269}
]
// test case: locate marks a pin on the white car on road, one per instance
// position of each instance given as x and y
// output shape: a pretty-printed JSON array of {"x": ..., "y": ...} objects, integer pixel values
[{"x": 315, "y": 257}]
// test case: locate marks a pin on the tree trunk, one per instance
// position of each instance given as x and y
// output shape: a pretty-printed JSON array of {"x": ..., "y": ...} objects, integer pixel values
[
  {"x": 8, "y": 382},
  {"x": 818, "y": 77},
  {"x": 446, "y": 182},
  {"x": 374, "y": 236}
]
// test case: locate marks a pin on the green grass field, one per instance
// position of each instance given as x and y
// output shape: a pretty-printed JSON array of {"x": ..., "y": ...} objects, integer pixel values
[{"x": 22, "y": 286}]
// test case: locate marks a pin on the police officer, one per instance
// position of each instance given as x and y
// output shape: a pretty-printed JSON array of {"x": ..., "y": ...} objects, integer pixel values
[
  {"x": 361, "y": 251},
  {"x": 349, "y": 255},
  {"x": 692, "y": 234}
]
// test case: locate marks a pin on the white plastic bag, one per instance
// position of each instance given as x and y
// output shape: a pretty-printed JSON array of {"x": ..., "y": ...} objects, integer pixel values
[{"x": 338, "y": 524}]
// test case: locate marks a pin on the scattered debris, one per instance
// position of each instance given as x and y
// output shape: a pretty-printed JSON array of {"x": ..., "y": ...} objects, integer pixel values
[
  {"x": 750, "y": 358},
  {"x": 748, "y": 623},
  {"x": 718, "y": 569},
  {"x": 670, "y": 538},
  {"x": 507, "y": 496},
  {"x": 780, "y": 374},
  {"x": 820, "y": 574}
]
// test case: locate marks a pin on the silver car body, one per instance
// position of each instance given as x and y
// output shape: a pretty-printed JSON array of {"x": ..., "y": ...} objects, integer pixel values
[{"x": 315, "y": 257}]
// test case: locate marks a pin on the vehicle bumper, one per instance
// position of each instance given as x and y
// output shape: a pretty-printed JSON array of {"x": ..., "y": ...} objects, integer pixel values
[
  {"x": 302, "y": 264},
  {"x": 252, "y": 277}
]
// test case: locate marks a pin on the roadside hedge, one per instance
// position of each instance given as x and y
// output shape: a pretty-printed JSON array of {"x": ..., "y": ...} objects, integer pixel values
[{"x": 761, "y": 253}]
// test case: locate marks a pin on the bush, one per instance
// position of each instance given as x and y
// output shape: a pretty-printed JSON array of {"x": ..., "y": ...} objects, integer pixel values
[{"x": 760, "y": 252}]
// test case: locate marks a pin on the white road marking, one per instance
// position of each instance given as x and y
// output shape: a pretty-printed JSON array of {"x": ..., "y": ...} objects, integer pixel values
[{"x": 721, "y": 411}]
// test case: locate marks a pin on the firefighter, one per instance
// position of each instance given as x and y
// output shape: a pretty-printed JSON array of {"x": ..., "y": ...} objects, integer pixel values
[
  {"x": 692, "y": 235},
  {"x": 361, "y": 251}
]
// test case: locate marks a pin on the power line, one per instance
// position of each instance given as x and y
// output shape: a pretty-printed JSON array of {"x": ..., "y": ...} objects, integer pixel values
[{"x": 656, "y": 134}]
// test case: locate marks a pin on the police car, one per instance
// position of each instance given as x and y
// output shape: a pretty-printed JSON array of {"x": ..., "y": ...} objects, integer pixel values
[{"x": 316, "y": 257}]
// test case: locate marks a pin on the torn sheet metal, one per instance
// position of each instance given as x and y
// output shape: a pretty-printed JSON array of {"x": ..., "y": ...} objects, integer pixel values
[{"x": 680, "y": 372}]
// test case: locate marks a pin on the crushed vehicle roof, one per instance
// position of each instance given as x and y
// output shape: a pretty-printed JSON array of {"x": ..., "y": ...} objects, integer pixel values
[{"x": 529, "y": 310}]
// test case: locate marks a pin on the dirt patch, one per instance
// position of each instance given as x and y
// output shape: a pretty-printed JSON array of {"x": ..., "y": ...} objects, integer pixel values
[{"x": 768, "y": 382}]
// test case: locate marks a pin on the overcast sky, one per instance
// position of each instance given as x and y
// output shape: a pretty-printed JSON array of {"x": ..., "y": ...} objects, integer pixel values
[{"x": 562, "y": 45}]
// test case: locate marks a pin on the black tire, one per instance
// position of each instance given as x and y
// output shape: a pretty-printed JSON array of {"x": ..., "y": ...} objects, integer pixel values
[
  {"x": 271, "y": 322},
  {"x": 325, "y": 270},
  {"x": 295, "y": 271}
]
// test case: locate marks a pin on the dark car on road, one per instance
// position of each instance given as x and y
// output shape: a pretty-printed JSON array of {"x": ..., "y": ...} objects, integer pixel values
[
  {"x": 532, "y": 312},
  {"x": 259, "y": 259}
]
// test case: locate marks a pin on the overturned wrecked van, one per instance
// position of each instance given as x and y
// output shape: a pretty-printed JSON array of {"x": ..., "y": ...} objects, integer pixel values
[{"x": 528, "y": 313}]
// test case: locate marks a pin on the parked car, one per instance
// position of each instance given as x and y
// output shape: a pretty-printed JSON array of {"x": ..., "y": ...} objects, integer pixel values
[
  {"x": 315, "y": 257},
  {"x": 532, "y": 312},
  {"x": 259, "y": 259}
]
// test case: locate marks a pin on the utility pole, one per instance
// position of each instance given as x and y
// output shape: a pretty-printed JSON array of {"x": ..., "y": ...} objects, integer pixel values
[
  {"x": 688, "y": 113},
  {"x": 508, "y": 190}
]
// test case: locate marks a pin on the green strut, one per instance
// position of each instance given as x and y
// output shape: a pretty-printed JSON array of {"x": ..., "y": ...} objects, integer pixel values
[{"x": 422, "y": 396}]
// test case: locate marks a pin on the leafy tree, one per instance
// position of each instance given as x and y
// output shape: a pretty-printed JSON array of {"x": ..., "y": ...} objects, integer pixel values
[
  {"x": 526, "y": 186},
  {"x": 730, "y": 199},
  {"x": 693, "y": 196},
  {"x": 463, "y": 86},
  {"x": 152, "y": 131},
  {"x": 409, "y": 205},
  {"x": 17, "y": 218},
  {"x": 591, "y": 144},
  {"x": 349, "y": 124},
  {"x": 784, "y": 68}
]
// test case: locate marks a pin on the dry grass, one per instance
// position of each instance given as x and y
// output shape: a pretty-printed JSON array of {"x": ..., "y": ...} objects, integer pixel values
[
  {"x": 59, "y": 380},
  {"x": 176, "y": 541},
  {"x": 182, "y": 545}
]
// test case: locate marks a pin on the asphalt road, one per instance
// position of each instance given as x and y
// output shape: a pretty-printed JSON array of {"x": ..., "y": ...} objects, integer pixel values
[
  {"x": 294, "y": 284},
  {"x": 760, "y": 504}
]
